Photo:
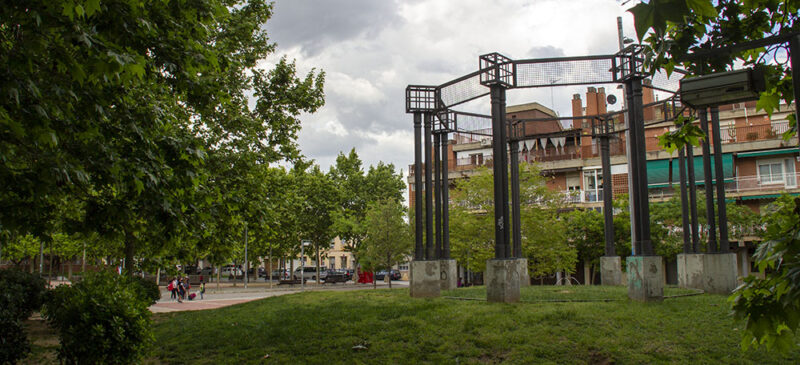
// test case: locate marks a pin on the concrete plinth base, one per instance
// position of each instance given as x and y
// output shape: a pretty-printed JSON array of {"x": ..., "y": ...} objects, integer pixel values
[
  {"x": 425, "y": 276},
  {"x": 524, "y": 274},
  {"x": 645, "y": 278},
  {"x": 610, "y": 270},
  {"x": 690, "y": 270},
  {"x": 448, "y": 277},
  {"x": 720, "y": 274},
  {"x": 502, "y": 280}
]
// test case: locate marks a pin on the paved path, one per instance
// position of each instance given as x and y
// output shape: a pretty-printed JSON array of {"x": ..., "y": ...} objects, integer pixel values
[{"x": 228, "y": 295}]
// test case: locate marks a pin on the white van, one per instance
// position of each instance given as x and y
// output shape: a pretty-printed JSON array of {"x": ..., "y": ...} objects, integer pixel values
[
  {"x": 230, "y": 270},
  {"x": 310, "y": 272}
]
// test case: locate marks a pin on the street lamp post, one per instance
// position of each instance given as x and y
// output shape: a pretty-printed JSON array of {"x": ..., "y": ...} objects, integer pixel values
[{"x": 303, "y": 244}]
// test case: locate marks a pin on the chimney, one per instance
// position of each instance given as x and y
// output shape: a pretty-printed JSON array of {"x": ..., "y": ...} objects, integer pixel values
[
  {"x": 591, "y": 101},
  {"x": 577, "y": 110},
  {"x": 602, "y": 108}
]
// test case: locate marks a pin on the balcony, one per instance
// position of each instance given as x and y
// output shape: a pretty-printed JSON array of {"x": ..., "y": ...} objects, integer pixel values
[
  {"x": 746, "y": 187},
  {"x": 583, "y": 196},
  {"x": 743, "y": 187},
  {"x": 750, "y": 133}
]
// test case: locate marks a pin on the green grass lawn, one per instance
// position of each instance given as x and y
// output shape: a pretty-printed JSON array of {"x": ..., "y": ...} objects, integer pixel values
[{"x": 323, "y": 327}]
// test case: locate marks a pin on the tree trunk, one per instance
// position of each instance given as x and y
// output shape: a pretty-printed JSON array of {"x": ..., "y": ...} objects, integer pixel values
[
  {"x": 50, "y": 269},
  {"x": 218, "y": 277},
  {"x": 130, "y": 248},
  {"x": 270, "y": 266},
  {"x": 317, "y": 247}
]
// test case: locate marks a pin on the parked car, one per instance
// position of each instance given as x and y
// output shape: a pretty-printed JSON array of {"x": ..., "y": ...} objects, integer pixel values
[
  {"x": 310, "y": 272},
  {"x": 262, "y": 272},
  {"x": 231, "y": 270},
  {"x": 336, "y": 276},
  {"x": 347, "y": 274},
  {"x": 280, "y": 274},
  {"x": 393, "y": 275}
]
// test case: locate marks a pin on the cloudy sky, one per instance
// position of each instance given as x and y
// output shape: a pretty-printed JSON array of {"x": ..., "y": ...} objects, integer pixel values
[{"x": 372, "y": 49}]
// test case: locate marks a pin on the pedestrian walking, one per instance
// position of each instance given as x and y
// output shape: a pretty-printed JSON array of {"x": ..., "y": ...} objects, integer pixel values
[
  {"x": 202, "y": 289},
  {"x": 182, "y": 290}
]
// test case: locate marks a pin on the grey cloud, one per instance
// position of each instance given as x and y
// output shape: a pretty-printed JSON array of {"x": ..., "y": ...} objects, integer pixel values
[
  {"x": 315, "y": 24},
  {"x": 545, "y": 52}
]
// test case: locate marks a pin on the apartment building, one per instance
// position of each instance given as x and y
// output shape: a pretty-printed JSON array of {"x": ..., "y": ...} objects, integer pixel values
[{"x": 758, "y": 163}]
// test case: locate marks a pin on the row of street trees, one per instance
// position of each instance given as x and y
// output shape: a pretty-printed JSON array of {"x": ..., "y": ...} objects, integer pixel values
[
  {"x": 555, "y": 238},
  {"x": 147, "y": 132}
]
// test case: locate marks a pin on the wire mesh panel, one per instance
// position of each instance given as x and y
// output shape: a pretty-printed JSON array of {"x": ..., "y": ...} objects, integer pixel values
[
  {"x": 470, "y": 122},
  {"x": 671, "y": 83},
  {"x": 462, "y": 90},
  {"x": 564, "y": 71}
]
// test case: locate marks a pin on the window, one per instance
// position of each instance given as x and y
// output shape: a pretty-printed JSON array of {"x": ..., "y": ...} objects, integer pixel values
[
  {"x": 344, "y": 262},
  {"x": 332, "y": 262},
  {"x": 476, "y": 159},
  {"x": 593, "y": 185},
  {"x": 777, "y": 171}
]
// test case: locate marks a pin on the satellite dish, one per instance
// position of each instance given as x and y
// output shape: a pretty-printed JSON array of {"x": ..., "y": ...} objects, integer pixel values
[{"x": 611, "y": 99}]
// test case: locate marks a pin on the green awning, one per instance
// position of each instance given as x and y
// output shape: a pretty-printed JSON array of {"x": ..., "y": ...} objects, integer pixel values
[
  {"x": 766, "y": 196},
  {"x": 658, "y": 171},
  {"x": 782, "y": 151}
]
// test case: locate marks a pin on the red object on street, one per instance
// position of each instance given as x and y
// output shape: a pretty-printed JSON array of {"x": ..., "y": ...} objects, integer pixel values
[{"x": 365, "y": 277}]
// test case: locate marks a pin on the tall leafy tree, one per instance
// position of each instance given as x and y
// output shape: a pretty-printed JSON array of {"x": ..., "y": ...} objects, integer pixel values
[
  {"x": 135, "y": 107},
  {"x": 543, "y": 239},
  {"x": 388, "y": 240},
  {"x": 356, "y": 190},
  {"x": 318, "y": 200}
]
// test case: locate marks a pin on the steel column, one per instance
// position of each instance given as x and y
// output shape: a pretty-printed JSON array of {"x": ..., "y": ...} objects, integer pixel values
[
  {"x": 643, "y": 206},
  {"x": 719, "y": 177},
  {"x": 608, "y": 198},
  {"x": 794, "y": 58},
  {"x": 710, "y": 218},
  {"x": 641, "y": 215},
  {"x": 633, "y": 178},
  {"x": 692, "y": 198},
  {"x": 500, "y": 169},
  {"x": 419, "y": 250},
  {"x": 515, "y": 203},
  {"x": 437, "y": 196},
  {"x": 687, "y": 243},
  {"x": 445, "y": 199},
  {"x": 429, "y": 248}
]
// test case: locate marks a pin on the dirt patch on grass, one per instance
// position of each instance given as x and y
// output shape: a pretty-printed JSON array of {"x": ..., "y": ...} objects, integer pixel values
[
  {"x": 493, "y": 358},
  {"x": 596, "y": 357},
  {"x": 44, "y": 342},
  {"x": 40, "y": 334}
]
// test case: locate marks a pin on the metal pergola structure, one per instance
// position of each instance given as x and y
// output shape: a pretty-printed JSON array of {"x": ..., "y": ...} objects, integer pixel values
[{"x": 496, "y": 74}]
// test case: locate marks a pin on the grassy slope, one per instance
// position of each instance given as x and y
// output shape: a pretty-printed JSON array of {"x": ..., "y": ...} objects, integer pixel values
[{"x": 322, "y": 327}]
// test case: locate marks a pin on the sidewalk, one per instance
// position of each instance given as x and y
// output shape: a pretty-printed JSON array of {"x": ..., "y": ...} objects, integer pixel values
[{"x": 227, "y": 294}]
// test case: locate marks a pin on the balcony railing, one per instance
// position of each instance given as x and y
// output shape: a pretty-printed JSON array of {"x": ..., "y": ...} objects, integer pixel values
[
  {"x": 583, "y": 196},
  {"x": 747, "y": 185},
  {"x": 735, "y": 187},
  {"x": 739, "y": 134}
]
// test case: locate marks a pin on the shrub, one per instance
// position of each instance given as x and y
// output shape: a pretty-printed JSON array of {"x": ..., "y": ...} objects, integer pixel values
[
  {"x": 14, "y": 345},
  {"x": 146, "y": 289},
  {"x": 101, "y": 319},
  {"x": 21, "y": 294}
]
